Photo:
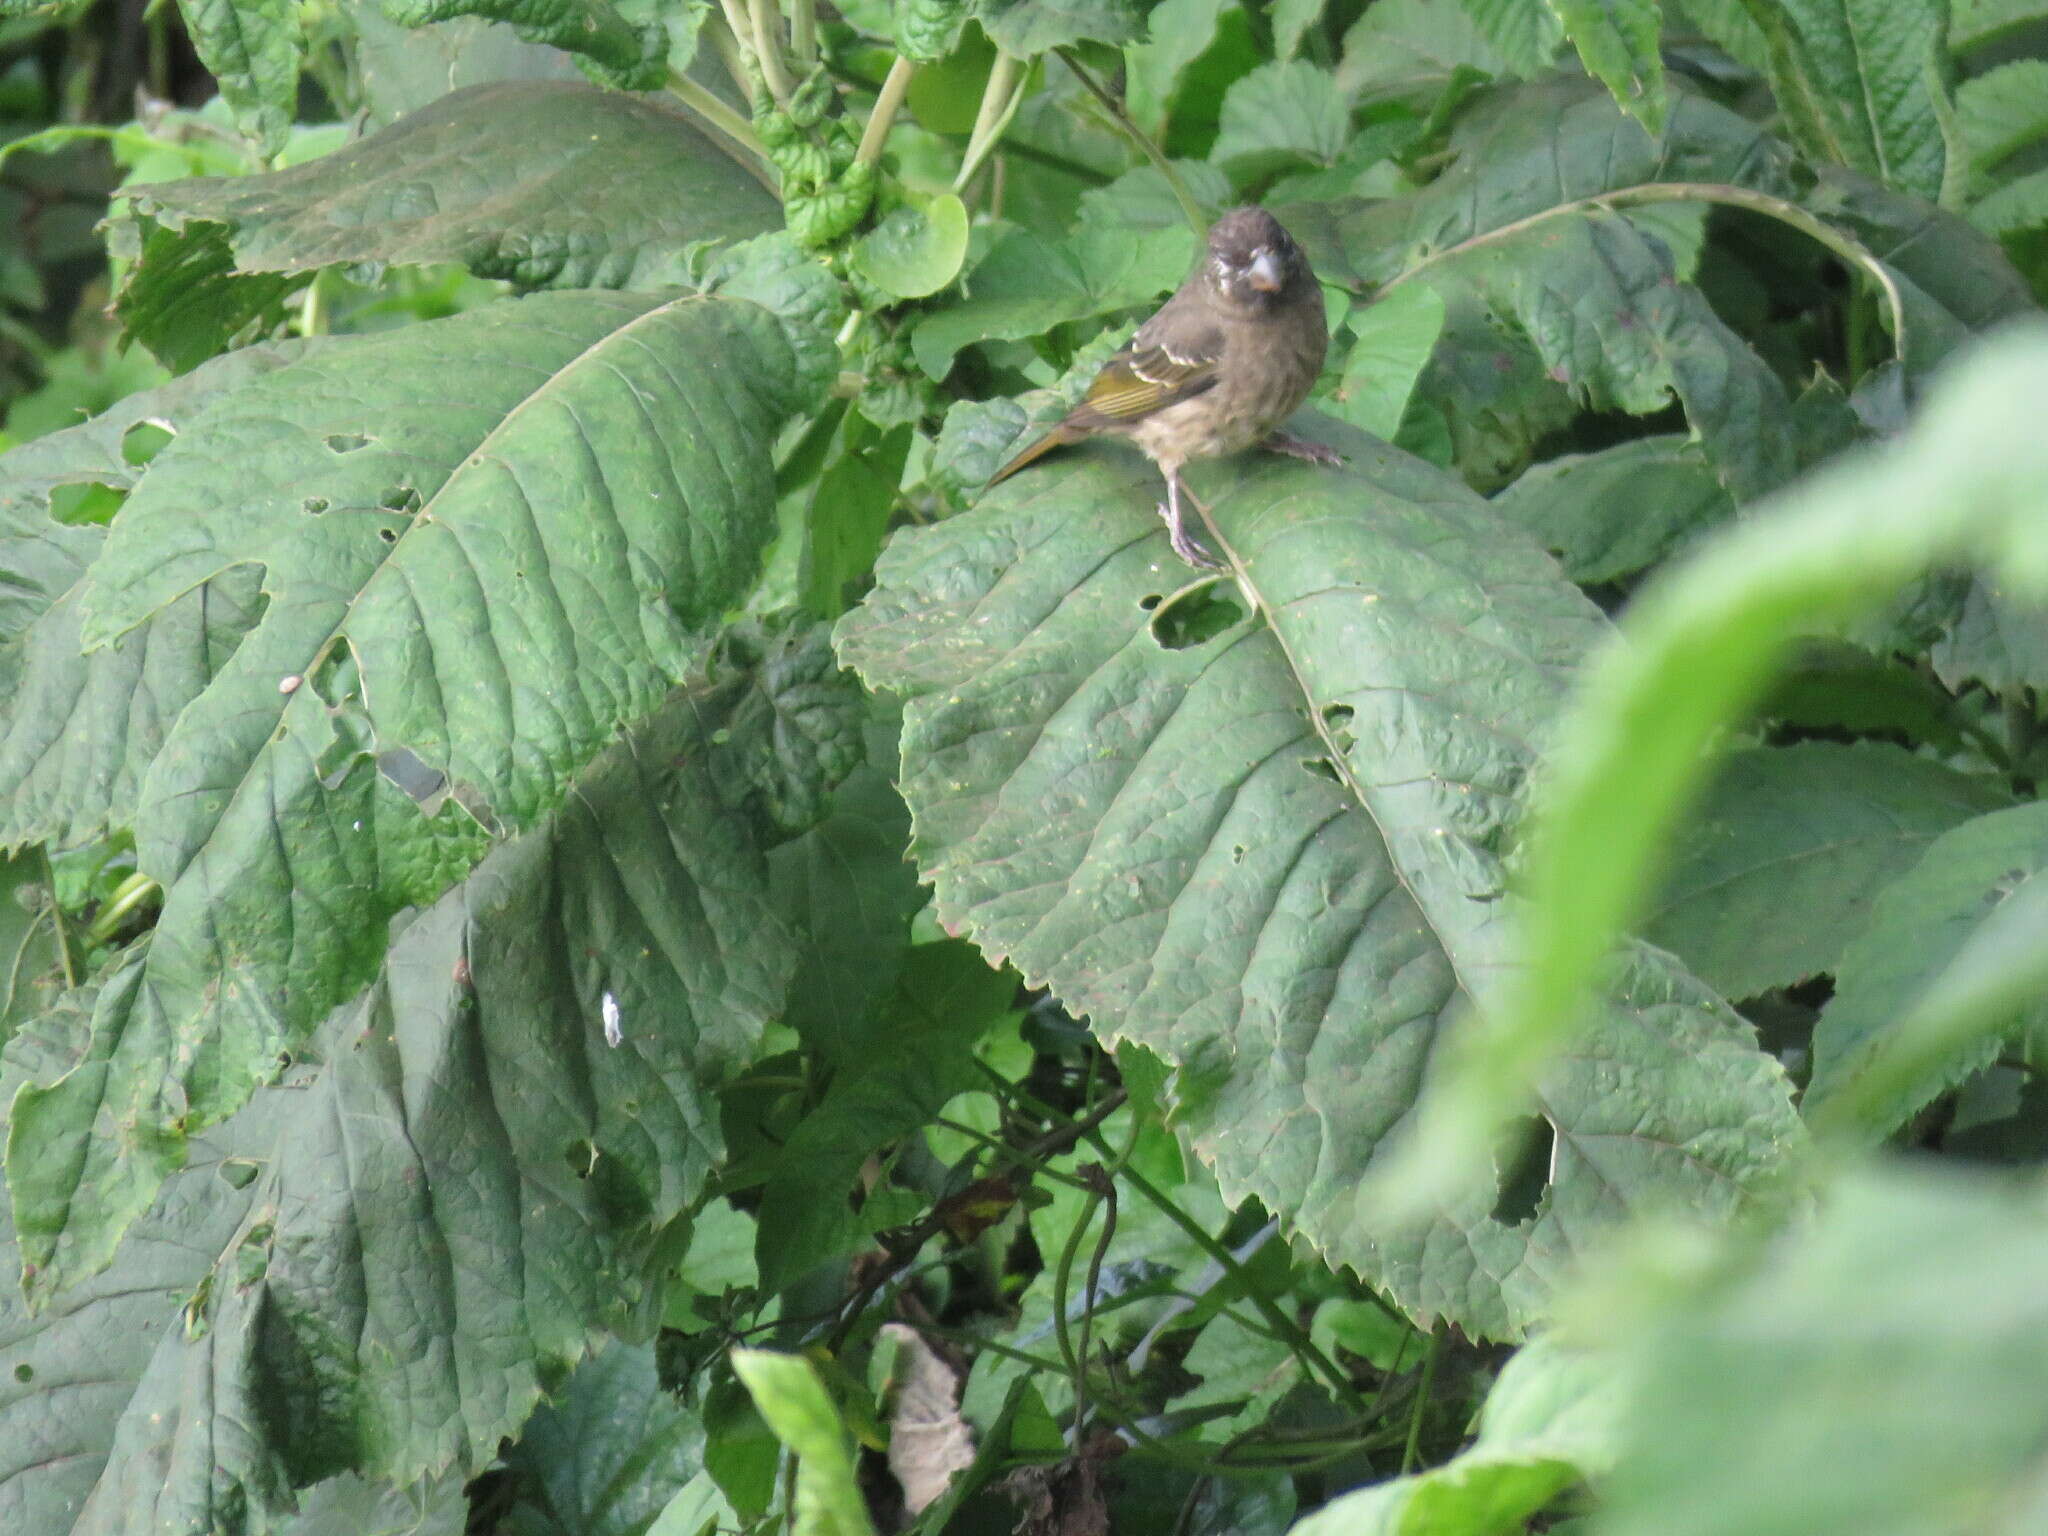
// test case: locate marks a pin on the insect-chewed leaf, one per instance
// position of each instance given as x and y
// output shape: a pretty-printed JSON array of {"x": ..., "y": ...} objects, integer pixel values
[
  {"x": 1270, "y": 850},
  {"x": 485, "y": 544}
]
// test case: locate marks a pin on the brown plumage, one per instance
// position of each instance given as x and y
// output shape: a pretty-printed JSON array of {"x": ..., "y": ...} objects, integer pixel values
[{"x": 1223, "y": 363}]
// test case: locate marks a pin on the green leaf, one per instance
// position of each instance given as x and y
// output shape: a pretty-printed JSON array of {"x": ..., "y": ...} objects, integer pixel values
[
  {"x": 586, "y": 189},
  {"x": 2003, "y": 111},
  {"x": 1861, "y": 81},
  {"x": 1395, "y": 338},
  {"x": 1787, "y": 851},
  {"x": 1028, "y": 27},
  {"x": 1262, "y": 849},
  {"x": 794, "y": 732},
  {"x": 1528, "y": 36},
  {"x": 1618, "y": 40},
  {"x": 848, "y": 889},
  {"x": 78, "y": 731},
  {"x": 1551, "y": 1420},
  {"x": 1967, "y": 482},
  {"x": 1291, "y": 21},
  {"x": 1924, "y": 930},
  {"x": 1405, "y": 42},
  {"x": 486, "y": 544},
  {"x": 1892, "y": 1392},
  {"x": 464, "y": 1135},
  {"x": 899, "y": 1073},
  {"x": 252, "y": 48},
  {"x": 1027, "y": 284},
  {"x": 928, "y": 30},
  {"x": 915, "y": 250},
  {"x": 1978, "y": 23},
  {"x": 606, "y": 1454},
  {"x": 1601, "y": 303},
  {"x": 405, "y": 68},
  {"x": 2001, "y": 640},
  {"x": 353, "y": 1506},
  {"x": 787, "y": 1391},
  {"x": 1141, "y": 199},
  {"x": 1279, "y": 116},
  {"x": 608, "y": 47},
  {"x": 1610, "y": 514},
  {"x": 1831, "y": 683},
  {"x": 1181, "y": 31}
]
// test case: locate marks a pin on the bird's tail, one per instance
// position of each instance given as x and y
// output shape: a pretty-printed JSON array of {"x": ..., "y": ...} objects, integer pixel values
[{"x": 1057, "y": 437}]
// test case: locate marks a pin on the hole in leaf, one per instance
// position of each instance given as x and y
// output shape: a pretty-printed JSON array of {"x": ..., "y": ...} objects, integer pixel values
[
  {"x": 582, "y": 1158},
  {"x": 346, "y": 442},
  {"x": 24, "y": 1374},
  {"x": 144, "y": 441},
  {"x": 1151, "y": 600},
  {"x": 1323, "y": 768},
  {"x": 315, "y": 505},
  {"x": 86, "y": 502},
  {"x": 388, "y": 535},
  {"x": 1194, "y": 617},
  {"x": 427, "y": 786},
  {"x": 1524, "y": 1161},
  {"x": 239, "y": 1172},
  {"x": 1237, "y": 853},
  {"x": 400, "y": 498},
  {"x": 1337, "y": 714}
]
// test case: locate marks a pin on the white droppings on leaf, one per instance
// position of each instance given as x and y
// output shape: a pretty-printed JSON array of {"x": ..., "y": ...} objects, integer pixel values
[
  {"x": 289, "y": 684},
  {"x": 609, "y": 1008}
]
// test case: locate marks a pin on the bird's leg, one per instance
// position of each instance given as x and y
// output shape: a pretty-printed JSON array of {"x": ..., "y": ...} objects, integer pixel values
[
  {"x": 1301, "y": 448},
  {"x": 1184, "y": 543}
]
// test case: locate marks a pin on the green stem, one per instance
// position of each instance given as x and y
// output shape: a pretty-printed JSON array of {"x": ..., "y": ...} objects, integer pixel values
[
  {"x": 1409, "y": 1450},
  {"x": 130, "y": 894},
  {"x": 887, "y": 104},
  {"x": 746, "y": 150},
  {"x": 1142, "y": 139},
  {"x": 1813, "y": 227},
  {"x": 726, "y": 44},
  {"x": 1275, "y": 1317},
  {"x": 1095, "y": 1289},
  {"x": 803, "y": 34},
  {"x": 767, "y": 53},
  {"x": 313, "y": 311},
  {"x": 1000, "y": 98}
]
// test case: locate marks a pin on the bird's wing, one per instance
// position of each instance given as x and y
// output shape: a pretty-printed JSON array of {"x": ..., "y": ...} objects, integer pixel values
[{"x": 1172, "y": 358}]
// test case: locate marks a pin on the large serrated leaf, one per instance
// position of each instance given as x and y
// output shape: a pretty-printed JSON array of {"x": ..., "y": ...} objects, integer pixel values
[
  {"x": 77, "y": 731},
  {"x": 378, "y": 1264},
  {"x": 1027, "y": 27},
  {"x": 485, "y": 542},
  {"x": 1269, "y": 849},
  {"x": 584, "y": 188}
]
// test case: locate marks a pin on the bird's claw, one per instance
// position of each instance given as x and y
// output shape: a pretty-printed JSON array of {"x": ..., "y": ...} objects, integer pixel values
[
  {"x": 1302, "y": 448},
  {"x": 1185, "y": 544}
]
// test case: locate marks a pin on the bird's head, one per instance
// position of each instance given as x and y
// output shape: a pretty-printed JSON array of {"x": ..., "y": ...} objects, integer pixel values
[{"x": 1252, "y": 263}]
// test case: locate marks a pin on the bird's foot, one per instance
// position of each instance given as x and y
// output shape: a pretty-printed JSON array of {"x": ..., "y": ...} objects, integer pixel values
[
  {"x": 1184, "y": 543},
  {"x": 1301, "y": 448}
]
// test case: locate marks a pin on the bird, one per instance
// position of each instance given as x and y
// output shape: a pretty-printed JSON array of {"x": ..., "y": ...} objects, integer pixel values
[{"x": 1215, "y": 371}]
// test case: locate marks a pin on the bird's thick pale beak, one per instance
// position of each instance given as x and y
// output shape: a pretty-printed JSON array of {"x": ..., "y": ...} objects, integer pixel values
[{"x": 1265, "y": 274}]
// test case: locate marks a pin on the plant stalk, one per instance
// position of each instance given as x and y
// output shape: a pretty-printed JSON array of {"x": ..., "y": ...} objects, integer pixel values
[
  {"x": 767, "y": 53},
  {"x": 803, "y": 34},
  {"x": 887, "y": 104},
  {"x": 740, "y": 142},
  {"x": 1000, "y": 98},
  {"x": 1142, "y": 139}
]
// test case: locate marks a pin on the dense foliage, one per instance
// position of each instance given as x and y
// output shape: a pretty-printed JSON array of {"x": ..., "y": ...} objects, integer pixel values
[{"x": 600, "y": 941}]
